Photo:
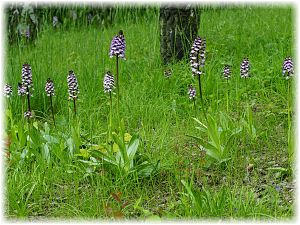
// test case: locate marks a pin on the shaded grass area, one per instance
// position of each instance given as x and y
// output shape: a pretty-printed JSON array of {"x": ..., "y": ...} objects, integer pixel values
[{"x": 159, "y": 109}]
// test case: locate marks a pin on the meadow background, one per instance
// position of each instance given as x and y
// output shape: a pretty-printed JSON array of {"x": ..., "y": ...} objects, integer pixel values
[{"x": 60, "y": 172}]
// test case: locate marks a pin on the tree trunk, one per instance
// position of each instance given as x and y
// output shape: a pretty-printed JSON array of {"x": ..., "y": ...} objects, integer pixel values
[{"x": 178, "y": 27}]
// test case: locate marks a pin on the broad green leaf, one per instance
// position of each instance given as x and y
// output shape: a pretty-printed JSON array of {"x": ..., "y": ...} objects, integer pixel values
[
  {"x": 29, "y": 139},
  {"x": 132, "y": 147},
  {"x": 90, "y": 163},
  {"x": 119, "y": 159},
  {"x": 50, "y": 139},
  {"x": 118, "y": 141},
  {"x": 35, "y": 125},
  {"x": 213, "y": 132},
  {"x": 210, "y": 149},
  {"x": 47, "y": 128},
  {"x": 223, "y": 121},
  {"x": 46, "y": 152},
  {"x": 71, "y": 145},
  {"x": 145, "y": 169},
  {"x": 106, "y": 157},
  {"x": 229, "y": 139},
  {"x": 122, "y": 147},
  {"x": 213, "y": 152}
]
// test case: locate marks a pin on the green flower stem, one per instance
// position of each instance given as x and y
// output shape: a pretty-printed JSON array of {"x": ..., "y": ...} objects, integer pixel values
[
  {"x": 28, "y": 103},
  {"x": 28, "y": 99},
  {"x": 52, "y": 110},
  {"x": 200, "y": 90},
  {"x": 23, "y": 103},
  {"x": 227, "y": 96},
  {"x": 10, "y": 111},
  {"x": 74, "y": 101},
  {"x": 201, "y": 99},
  {"x": 110, "y": 123},
  {"x": 195, "y": 107},
  {"x": 117, "y": 73},
  {"x": 237, "y": 97},
  {"x": 289, "y": 117},
  {"x": 118, "y": 87},
  {"x": 246, "y": 88}
]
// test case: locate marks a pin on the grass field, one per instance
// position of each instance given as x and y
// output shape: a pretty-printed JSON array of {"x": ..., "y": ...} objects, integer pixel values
[{"x": 60, "y": 171}]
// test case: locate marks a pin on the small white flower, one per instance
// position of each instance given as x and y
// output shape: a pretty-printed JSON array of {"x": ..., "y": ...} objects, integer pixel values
[
  {"x": 288, "y": 67},
  {"x": 108, "y": 82},
  {"x": 7, "y": 90},
  {"x": 191, "y": 91},
  {"x": 49, "y": 87}
]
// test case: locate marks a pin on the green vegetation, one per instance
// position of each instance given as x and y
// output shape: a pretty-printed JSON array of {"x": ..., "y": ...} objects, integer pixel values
[{"x": 238, "y": 164}]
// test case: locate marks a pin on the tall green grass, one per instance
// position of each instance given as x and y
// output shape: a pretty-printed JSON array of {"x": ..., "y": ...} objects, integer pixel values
[{"x": 160, "y": 111}]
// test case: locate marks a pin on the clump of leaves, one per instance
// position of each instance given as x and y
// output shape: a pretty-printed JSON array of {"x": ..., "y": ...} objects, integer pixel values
[
  {"x": 204, "y": 201},
  {"x": 216, "y": 139},
  {"x": 121, "y": 153}
]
